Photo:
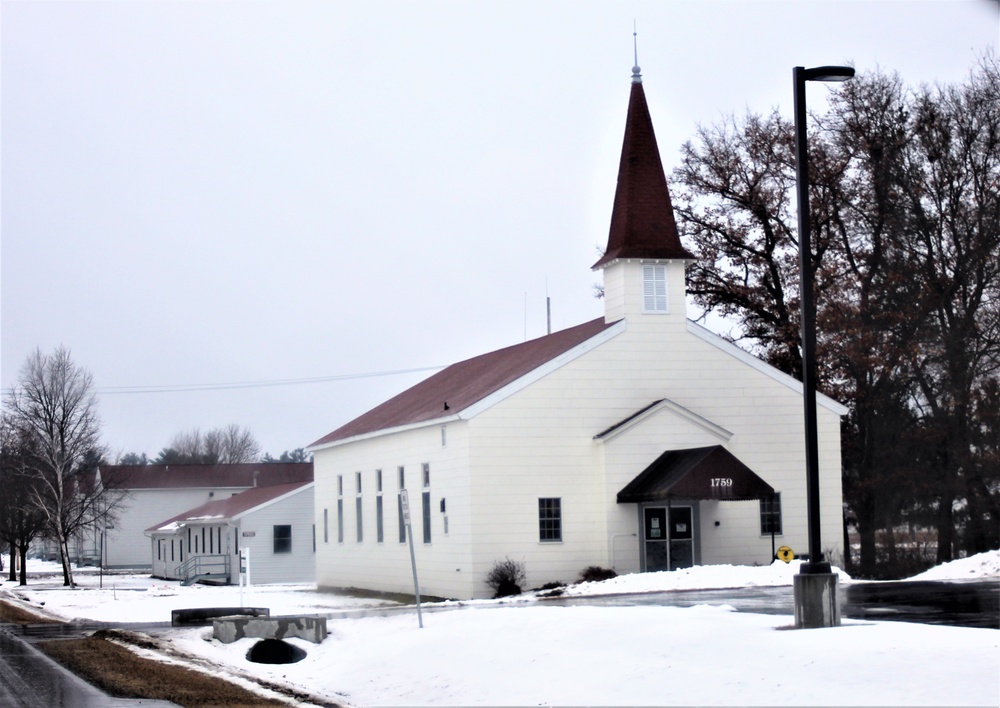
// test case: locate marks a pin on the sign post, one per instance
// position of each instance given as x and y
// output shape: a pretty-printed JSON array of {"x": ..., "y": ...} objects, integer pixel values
[
  {"x": 244, "y": 570},
  {"x": 405, "y": 501}
]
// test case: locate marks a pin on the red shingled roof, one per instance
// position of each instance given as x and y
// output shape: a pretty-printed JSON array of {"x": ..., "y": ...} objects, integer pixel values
[
  {"x": 234, "y": 505},
  {"x": 465, "y": 383},
  {"x": 642, "y": 221},
  {"x": 258, "y": 474}
]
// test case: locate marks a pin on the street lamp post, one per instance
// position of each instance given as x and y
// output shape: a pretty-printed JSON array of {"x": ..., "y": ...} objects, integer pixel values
[{"x": 816, "y": 603}]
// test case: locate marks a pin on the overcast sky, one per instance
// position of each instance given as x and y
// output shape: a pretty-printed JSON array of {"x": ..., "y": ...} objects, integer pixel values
[{"x": 256, "y": 192}]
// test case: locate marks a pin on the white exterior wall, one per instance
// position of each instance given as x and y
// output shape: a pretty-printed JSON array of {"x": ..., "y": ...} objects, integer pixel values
[
  {"x": 253, "y": 530},
  {"x": 537, "y": 440},
  {"x": 554, "y": 422},
  {"x": 444, "y": 566},
  {"x": 266, "y": 566},
  {"x": 127, "y": 544}
]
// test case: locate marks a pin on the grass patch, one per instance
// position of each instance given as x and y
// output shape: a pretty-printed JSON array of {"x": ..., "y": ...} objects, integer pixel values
[
  {"x": 123, "y": 674},
  {"x": 9, "y": 612}
]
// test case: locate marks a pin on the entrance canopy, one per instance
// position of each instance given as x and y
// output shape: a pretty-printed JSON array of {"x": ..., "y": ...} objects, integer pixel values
[{"x": 698, "y": 473}]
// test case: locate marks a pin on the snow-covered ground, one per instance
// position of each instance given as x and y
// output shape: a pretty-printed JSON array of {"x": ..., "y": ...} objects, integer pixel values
[{"x": 529, "y": 653}]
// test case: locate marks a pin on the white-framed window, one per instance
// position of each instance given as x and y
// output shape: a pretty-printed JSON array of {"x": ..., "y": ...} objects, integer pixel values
[
  {"x": 379, "y": 514},
  {"x": 654, "y": 288},
  {"x": 282, "y": 538},
  {"x": 340, "y": 508},
  {"x": 399, "y": 503},
  {"x": 425, "y": 499},
  {"x": 550, "y": 519},
  {"x": 770, "y": 515},
  {"x": 360, "y": 527}
]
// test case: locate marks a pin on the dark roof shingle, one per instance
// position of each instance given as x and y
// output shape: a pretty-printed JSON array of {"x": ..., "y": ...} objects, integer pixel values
[
  {"x": 236, "y": 504},
  {"x": 642, "y": 219},
  {"x": 465, "y": 383},
  {"x": 259, "y": 474}
]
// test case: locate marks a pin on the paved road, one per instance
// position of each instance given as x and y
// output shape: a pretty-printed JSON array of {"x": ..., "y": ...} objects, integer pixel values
[{"x": 960, "y": 604}]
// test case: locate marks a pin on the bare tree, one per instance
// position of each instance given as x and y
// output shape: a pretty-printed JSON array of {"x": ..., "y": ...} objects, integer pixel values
[
  {"x": 53, "y": 405},
  {"x": 905, "y": 203},
  {"x": 240, "y": 445},
  {"x": 230, "y": 445},
  {"x": 20, "y": 520}
]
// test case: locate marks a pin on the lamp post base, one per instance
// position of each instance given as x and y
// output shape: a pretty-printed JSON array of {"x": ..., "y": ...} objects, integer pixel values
[{"x": 817, "y": 603}]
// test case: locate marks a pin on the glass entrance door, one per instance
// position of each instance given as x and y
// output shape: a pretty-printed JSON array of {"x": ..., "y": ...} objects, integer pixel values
[
  {"x": 655, "y": 538},
  {"x": 668, "y": 546},
  {"x": 681, "y": 537}
]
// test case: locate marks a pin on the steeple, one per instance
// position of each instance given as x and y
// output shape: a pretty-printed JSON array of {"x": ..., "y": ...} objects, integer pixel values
[{"x": 642, "y": 220}]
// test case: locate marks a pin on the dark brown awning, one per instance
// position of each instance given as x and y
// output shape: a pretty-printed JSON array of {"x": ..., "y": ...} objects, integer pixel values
[{"x": 698, "y": 473}]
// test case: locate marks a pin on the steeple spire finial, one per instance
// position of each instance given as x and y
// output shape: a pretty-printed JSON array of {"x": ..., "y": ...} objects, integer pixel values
[{"x": 636, "y": 76}]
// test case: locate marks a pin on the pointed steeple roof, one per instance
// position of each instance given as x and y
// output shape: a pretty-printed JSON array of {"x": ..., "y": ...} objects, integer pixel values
[{"x": 642, "y": 220}]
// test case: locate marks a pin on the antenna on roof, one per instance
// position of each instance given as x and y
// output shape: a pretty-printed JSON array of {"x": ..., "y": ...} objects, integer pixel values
[{"x": 636, "y": 76}]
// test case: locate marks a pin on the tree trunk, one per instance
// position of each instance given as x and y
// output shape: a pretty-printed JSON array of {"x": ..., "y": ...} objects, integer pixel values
[
  {"x": 22, "y": 553},
  {"x": 64, "y": 556},
  {"x": 13, "y": 563},
  {"x": 848, "y": 563},
  {"x": 945, "y": 530}
]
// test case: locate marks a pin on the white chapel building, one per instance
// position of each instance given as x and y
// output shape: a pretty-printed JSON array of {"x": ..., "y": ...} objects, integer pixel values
[{"x": 639, "y": 441}]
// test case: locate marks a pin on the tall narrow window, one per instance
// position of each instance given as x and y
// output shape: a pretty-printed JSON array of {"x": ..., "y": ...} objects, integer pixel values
[
  {"x": 340, "y": 508},
  {"x": 425, "y": 499},
  {"x": 340, "y": 521},
  {"x": 283, "y": 539},
  {"x": 359, "y": 523},
  {"x": 326, "y": 525},
  {"x": 654, "y": 288},
  {"x": 550, "y": 519},
  {"x": 399, "y": 505},
  {"x": 770, "y": 514},
  {"x": 379, "y": 533}
]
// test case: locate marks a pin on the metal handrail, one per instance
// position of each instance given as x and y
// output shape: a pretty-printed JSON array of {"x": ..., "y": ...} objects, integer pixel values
[{"x": 203, "y": 564}]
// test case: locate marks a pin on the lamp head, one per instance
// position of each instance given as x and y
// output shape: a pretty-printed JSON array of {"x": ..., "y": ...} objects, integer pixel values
[{"x": 828, "y": 73}]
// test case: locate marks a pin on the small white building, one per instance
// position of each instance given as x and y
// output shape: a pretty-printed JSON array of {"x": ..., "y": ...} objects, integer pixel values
[
  {"x": 639, "y": 441},
  {"x": 158, "y": 491},
  {"x": 272, "y": 526}
]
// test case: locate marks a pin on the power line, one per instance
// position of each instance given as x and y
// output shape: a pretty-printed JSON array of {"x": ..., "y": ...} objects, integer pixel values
[{"x": 181, "y": 388}]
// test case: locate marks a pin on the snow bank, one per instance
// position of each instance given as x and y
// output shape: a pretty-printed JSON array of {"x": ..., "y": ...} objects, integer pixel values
[
  {"x": 704, "y": 577},
  {"x": 981, "y": 565}
]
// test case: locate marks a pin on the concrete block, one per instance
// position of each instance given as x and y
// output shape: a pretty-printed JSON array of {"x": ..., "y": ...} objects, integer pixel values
[{"x": 230, "y": 629}]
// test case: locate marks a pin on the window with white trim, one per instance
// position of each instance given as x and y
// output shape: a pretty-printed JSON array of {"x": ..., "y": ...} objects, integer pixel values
[
  {"x": 340, "y": 508},
  {"x": 282, "y": 535},
  {"x": 425, "y": 499},
  {"x": 358, "y": 507},
  {"x": 654, "y": 288},
  {"x": 770, "y": 515},
  {"x": 550, "y": 519},
  {"x": 399, "y": 503},
  {"x": 379, "y": 515}
]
